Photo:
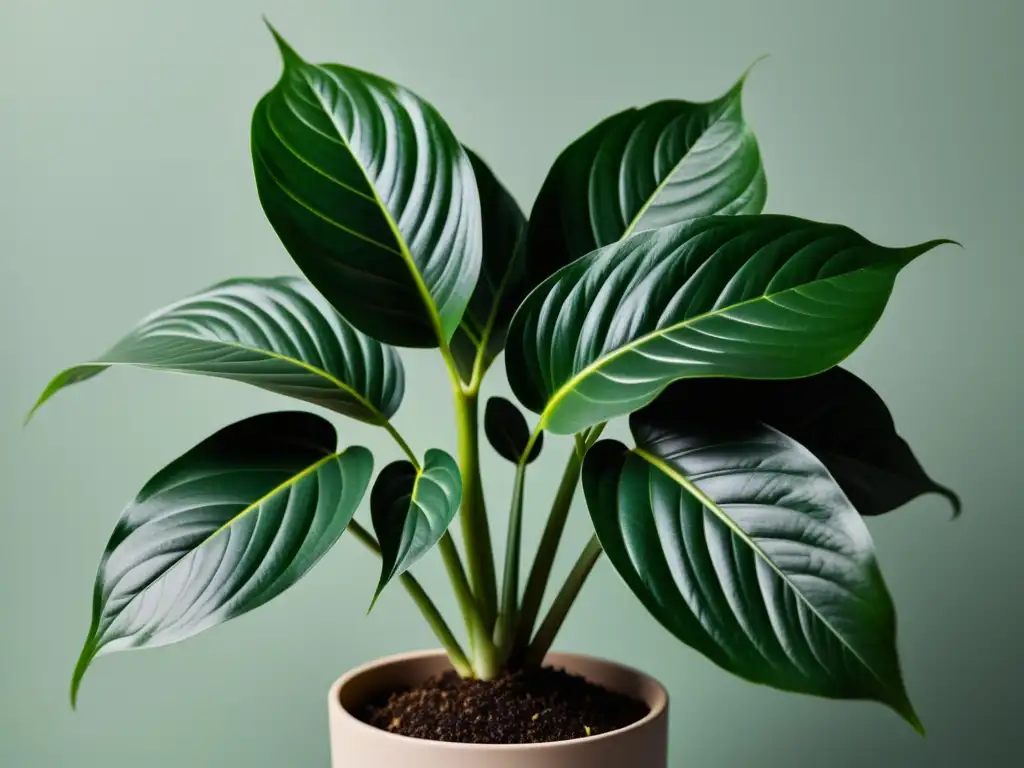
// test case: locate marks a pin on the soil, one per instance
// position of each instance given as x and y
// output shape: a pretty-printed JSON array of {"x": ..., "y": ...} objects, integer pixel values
[{"x": 525, "y": 707}]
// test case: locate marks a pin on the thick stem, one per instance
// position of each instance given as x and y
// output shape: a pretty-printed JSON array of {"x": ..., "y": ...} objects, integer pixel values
[
  {"x": 508, "y": 612},
  {"x": 563, "y": 602},
  {"x": 476, "y": 533},
  {"x": 426, "y": 606},
  {"x": 546, "y": 551},
  {"x": 475, "y": 626}
]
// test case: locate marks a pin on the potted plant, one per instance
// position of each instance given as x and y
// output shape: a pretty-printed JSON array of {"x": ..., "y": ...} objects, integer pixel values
[{"x": 646, "y": 284}]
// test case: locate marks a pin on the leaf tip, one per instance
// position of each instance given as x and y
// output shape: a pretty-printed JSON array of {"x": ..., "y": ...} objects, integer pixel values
[
  {"x": 954, "y": 500},
  {"x": 746, "y": 73},
  {"x": 288, "y": 53},
  {"x": 376, "y": 594}
]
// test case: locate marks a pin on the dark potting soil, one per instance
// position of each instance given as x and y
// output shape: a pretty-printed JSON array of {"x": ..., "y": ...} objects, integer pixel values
[{"x": 526, "y": 707}]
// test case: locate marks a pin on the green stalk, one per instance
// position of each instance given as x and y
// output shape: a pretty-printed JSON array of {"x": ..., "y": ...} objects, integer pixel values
[
  {"x": 563, "y": 602},
  {"x": 463, "y": 594},
  {"x": 545, "y": 557},
  {"x": 476, "y": 534},
  {"x": 537, "y": 583},
  {"x": 426, "y": 606},
  {"x": 508, "y": 613},
  {"x": 475, "y": 531}
]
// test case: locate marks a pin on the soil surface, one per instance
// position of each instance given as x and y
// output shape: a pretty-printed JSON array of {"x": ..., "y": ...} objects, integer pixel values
[{"x": 526, "y": 707}]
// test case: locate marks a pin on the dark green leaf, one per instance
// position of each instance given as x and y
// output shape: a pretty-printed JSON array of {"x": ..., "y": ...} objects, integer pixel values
[
  {"x": 507, "y": 431},
  {"x": 741, "y": 544},
  {"x": 835, "y": 415},
  {"x": 754, "y": 297},
  {"x": 277, "y": 334},
  {"x": 643, "y": 169},
  {"x": 221, "y": 530},
  {"x": 412, "y": 510},
  {"x": 499, "y": 288},
  {"x": 373, "y": 197}
]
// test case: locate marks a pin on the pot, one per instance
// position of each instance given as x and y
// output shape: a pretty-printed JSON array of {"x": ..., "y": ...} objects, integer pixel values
[{"x": 354, "y": 744}]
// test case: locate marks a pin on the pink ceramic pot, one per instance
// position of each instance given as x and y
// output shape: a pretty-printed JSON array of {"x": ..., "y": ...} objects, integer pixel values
[{"x": 355, "y": 744}]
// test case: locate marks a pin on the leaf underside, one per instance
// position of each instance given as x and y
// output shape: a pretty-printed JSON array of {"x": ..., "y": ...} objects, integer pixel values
[{"x": 835, "y": 415}]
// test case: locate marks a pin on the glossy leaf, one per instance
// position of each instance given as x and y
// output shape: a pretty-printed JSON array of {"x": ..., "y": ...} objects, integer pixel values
[
  {"x": 740, "y": 543},
  {"x": 643, "y": 169},
  {"x": 221, "y": 530},
  {"x": 508, "y": 432},
  {"x": 835, "y": 415},
  {"x": 755, "y": 297},
  {"x": 373, "y": 197},
  {"x": 502, "y": 283},
  {"x": 278, "y": 334},
  {"x": 412, "y": 510}
]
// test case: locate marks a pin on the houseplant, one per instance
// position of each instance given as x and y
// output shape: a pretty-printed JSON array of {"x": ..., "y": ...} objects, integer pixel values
[{"x": 646, "y": 284}]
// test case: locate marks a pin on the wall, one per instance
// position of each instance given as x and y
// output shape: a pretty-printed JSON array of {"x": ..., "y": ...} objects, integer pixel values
[{"x": 127, "y": 184}]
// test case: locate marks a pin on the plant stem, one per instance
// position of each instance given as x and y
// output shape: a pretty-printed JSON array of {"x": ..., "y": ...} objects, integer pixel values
[
  {"x": 390, "y": 429},
  {"x": 430, "y": 612},
  {"x": 545, "y": 558},
  {"x": 463, "y": 594},
  {"x": 507, "y": 614},
  {"x": 476, "y": 533},
  {"x": 563, "y": 602},
  {"x": 452, "y": 562}
]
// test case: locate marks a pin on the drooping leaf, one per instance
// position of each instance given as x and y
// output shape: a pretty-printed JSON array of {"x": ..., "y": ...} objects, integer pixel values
[
  {"x": 502, "y": 283},
  {"x": 835, "y": 415},
  {"x": 373, "y": 197},
  {"x": 740, "y": 543},
  {"x": 221, "y": 530},
  {"x": 278, "y": 334},
  {"x": 412, "y": 510},
  {"x": 643, "y": 169},
  {"x": 754, "y": 297},
  {"x": 508, "y": 432}
]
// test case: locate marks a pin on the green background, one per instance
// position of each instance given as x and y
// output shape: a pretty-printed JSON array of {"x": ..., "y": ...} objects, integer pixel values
[{"x": 126, "y": 184}]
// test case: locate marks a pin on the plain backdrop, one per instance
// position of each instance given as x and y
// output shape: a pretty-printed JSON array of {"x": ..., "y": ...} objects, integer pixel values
[{"x": 125, "y": 183}]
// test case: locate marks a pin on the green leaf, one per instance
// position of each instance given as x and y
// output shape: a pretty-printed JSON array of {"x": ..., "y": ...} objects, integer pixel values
[
  {"x": 277, "y": 334},
  {"x": 753, "y": 297},
  {"x": 411, "y": 510},
  {"x": 835, "y": 415},
  {"x": 373, "y": 197},
  {"x": 221, "y": 530},
  {"x": 740, "y": 543},
  {"x": 507, "y": 431},
  {"x": 643, "y": 169},
  {"x": 502, "y": 284}
]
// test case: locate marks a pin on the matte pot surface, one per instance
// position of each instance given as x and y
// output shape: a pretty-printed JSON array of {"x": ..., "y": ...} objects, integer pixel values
[{"x": 354, "y": 744}]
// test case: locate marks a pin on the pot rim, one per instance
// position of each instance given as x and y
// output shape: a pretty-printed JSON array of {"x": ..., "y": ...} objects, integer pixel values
[{"x": 657, "y": 706}]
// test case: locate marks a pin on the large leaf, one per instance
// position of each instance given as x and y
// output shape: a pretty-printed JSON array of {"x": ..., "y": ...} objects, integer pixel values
[
  {"x": 502, "y": 283},
  {"x": 507, "y": 431},
  {"x": 373, "y": 197},
  {"x": 277, "y": 334},
  {"x": 754, "y": 297},
  {"x": 643, "y": 169},
  {"x": 741, "y": 544},
  {"x": 835, "y": 415},
  {"x": 412, "y": 509},
  {"x": 221, "y": 530}
]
